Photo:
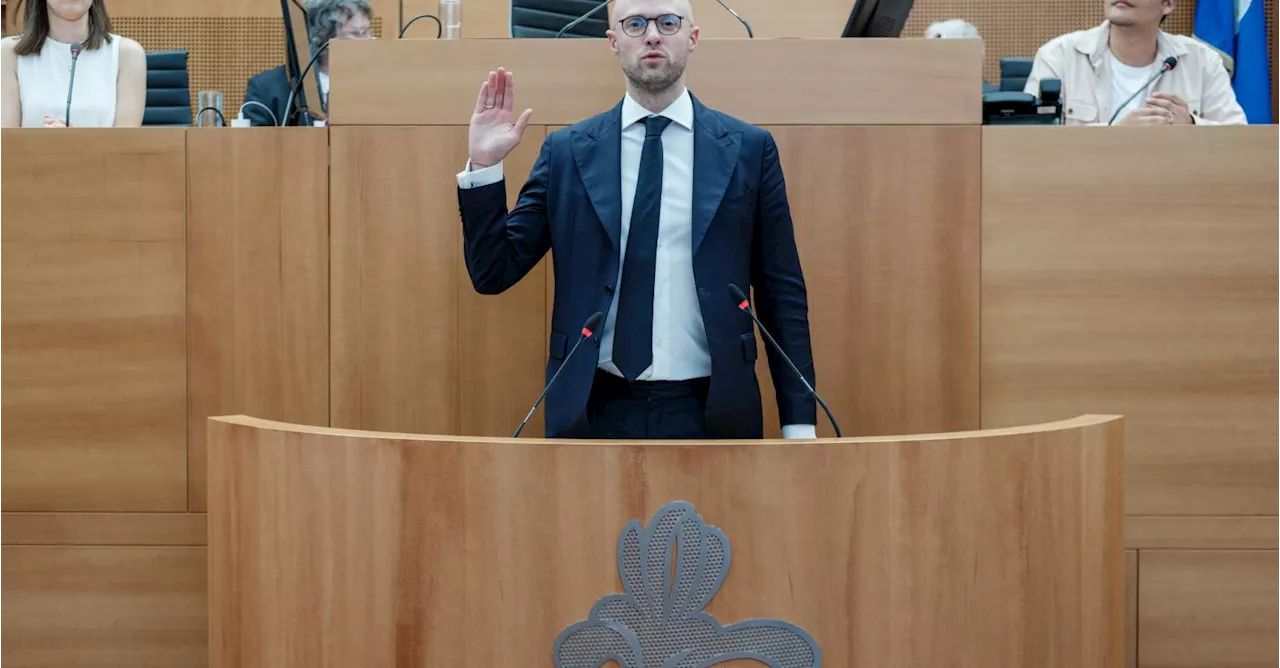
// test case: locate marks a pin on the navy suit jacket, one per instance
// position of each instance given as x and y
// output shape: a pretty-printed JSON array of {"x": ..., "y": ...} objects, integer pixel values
[
  {"x": 742, "y": 234},
  {"x": 270, "y": 88}
]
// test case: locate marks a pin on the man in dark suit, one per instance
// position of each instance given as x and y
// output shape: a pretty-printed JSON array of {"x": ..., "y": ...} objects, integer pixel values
[
  {"x": 268, "y": 92},
  {"x": 651, "y": 210},
  {"x": 265, "y": 97}
]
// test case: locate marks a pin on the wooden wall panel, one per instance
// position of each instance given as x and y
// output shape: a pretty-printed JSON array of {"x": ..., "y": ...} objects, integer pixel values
[
  {"x": 414, "y": 347},
  {"x": 1115, "y": 278},
  {"x": 1131, "y": 608},
  {"x": 1207, "y": 608},
  {"x": 886, "y": 221},
  {"x": 94, "y": 185},
  {"x": 132, "y": 529},
  {"x": 258, "y": 300},
  {"x": 134, "y": 607},
  {"x": 1215, "y": 532},
  {"x": 94, "y": 330},
  {"x": 564, "y": 81}
]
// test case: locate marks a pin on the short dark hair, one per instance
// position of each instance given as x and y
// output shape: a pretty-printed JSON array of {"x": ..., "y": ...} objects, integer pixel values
[{"x": 35, "y": 27}]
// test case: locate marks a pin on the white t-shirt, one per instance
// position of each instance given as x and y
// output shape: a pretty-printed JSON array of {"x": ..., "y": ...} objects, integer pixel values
[{"x": 1125, "y": 81}]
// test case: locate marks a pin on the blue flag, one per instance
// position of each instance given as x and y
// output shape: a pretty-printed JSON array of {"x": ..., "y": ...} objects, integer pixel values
[{"x": 1239, "y": 29}]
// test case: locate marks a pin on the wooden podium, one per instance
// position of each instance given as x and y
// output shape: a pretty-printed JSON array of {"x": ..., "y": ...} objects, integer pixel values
[{"x": 333, "y": 547}]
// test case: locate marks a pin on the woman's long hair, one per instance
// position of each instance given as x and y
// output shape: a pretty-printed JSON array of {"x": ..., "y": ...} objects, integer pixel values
[{"x": 35, "y": 27}]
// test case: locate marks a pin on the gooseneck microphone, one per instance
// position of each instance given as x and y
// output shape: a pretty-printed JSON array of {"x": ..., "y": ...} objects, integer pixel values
[
  {"x": 76, "y": 47},
  {"x": 588, "y": 330},
  {"x": 297, "y": 87},
  {"x": 744, "y": 305},
  {"x": 738, "y": 16},
  {"x": 582, "y": 18},
  {"x": 1167, "y": 66}
]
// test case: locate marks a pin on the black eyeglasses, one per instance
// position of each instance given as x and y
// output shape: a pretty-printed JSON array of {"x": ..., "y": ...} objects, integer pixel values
[{"x": 667, "y": 24}]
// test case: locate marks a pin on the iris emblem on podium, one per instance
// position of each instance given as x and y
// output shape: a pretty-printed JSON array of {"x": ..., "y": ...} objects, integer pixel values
[{"x": 670, "y": 571}]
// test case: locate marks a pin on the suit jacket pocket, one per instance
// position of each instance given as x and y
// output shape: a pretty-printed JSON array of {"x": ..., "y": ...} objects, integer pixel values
[
  {"x": 738, "y": 200},
  {"x": 749, "y": 347},
  {"x": 557, "y": 345}
]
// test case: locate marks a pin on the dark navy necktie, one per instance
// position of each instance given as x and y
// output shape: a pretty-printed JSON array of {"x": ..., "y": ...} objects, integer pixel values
[{"x": 633, "y": 330}]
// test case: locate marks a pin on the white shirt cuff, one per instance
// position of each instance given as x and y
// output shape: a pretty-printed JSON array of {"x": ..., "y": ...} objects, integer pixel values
[
  {"x": 484, "y": 176},
  {"x": 799, "y": 431}
]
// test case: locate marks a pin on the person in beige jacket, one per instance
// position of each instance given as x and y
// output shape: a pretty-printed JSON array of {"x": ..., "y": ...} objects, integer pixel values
[{"x": 1103, "y": 66}]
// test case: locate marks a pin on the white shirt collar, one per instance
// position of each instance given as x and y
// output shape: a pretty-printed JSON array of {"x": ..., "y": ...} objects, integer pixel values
[{"x": 680, "y": 111}]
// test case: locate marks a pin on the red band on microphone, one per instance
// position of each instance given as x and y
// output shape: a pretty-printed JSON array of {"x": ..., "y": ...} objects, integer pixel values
[
  {"x": 743, "y": 306},
  {"x": 586, "y": 332}
]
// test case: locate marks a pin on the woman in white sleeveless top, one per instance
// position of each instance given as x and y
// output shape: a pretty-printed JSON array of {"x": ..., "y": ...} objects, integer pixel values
[{"x": 110, "y": 77}]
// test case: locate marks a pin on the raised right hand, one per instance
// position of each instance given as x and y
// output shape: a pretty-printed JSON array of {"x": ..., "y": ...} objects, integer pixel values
[{"x": 493, "y": 135}]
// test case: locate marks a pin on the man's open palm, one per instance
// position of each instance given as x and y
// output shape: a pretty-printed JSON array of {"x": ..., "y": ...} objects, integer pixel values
[{"x": 493, "y": 134}]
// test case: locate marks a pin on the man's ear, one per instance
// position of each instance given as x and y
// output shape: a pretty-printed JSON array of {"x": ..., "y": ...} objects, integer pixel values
[
  {"x": 613, "y": 41},
  {"x": 694, "y": 35}
]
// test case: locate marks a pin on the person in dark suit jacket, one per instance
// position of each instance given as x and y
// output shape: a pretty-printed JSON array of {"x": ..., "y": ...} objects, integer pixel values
[
  {"x": 651, "y": 210},
  {"x": 268, "y": 92}
]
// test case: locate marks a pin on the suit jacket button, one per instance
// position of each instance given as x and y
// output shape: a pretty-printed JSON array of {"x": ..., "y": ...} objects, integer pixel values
[{"x": 608, "y": 289}]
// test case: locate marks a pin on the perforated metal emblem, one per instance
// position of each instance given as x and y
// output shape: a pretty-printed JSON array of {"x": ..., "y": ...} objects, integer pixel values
[{"x": 670, "y": 572}]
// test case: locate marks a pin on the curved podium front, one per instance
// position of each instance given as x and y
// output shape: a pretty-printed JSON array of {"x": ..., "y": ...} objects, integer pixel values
[{"x": 331, "y": 547}]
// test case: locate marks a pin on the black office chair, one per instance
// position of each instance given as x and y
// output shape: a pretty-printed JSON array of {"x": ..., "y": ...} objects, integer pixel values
[
  {"x": 1014, "y": 73},
  {"x": 168, "y": 90},
  {"x": 543, "y": 18}
]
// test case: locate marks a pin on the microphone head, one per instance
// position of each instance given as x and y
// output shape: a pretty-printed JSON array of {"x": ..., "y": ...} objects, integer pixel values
[
  {"x": 76, "y": 47},
  {"x": 1170, "y": 63},
  {"x": 739, "y": 296},
  {"x": 592, "y": 324}
]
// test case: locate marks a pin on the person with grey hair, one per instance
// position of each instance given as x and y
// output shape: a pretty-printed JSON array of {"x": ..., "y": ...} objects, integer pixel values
[{"x": 268, "y": 92}]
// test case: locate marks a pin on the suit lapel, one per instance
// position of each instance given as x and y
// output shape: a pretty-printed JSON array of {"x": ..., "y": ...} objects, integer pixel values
[
  {"x": 597, "y": 150},
  {"x": 715, "y": 155}
]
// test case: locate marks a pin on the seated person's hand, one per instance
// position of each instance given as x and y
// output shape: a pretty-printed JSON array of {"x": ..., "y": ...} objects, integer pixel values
[
  {"x": 51, "y": 122},
  {"x": 1147, "y": 115},
  {"x": 1176, "y": 106}
]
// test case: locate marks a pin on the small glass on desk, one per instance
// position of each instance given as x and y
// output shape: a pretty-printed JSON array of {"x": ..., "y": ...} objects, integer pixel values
[
  {"x": 209, "y": 109},
  {"x": 451, "y": 19}
]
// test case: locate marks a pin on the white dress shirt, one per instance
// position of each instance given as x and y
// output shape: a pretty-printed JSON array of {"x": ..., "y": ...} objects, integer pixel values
[
  {"x": 323, "y": 77},
  {"x": 680, "y": 350}
]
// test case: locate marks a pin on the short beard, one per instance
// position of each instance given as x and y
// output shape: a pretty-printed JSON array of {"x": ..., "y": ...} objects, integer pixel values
[{"x": 654, "y": 82}]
